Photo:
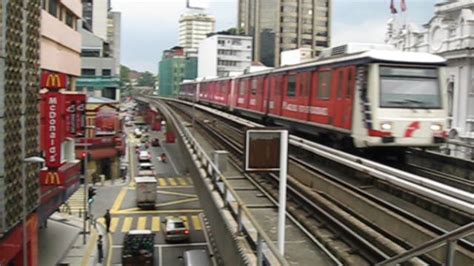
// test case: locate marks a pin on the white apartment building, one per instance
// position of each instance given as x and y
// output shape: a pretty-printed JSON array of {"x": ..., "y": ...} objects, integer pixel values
[
  {"x": 450, "y": 33},
  {"x": 224, "y": 55},
  {"x": 193, "y": 28},
  {"x": 95, "y": 16}
]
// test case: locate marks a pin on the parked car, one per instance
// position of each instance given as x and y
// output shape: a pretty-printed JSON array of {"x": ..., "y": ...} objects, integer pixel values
[
  {"x": 144, "y": 156},
  {"x": 175, "y": 229},
  {"x": 155, "y": 142}
]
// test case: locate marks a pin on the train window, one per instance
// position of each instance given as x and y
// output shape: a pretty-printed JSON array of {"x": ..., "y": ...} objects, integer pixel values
[
  {"x": 291, "y": 92},
  {"x": 340, "y": 84},
  {"x": 324, "y": 85},
  {"x": 305, "y": 84},
  {"x": 243, "y": 87},
  {"x": 350, "y": 81},
  {"x": 254, "y": 86}
]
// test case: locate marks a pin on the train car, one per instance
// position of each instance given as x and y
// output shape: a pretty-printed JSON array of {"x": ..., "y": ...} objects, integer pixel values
[{"x": 356, "y": 95}]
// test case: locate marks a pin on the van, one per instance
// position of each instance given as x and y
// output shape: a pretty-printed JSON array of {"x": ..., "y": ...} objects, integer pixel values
[{"x": 196, "y": 257}]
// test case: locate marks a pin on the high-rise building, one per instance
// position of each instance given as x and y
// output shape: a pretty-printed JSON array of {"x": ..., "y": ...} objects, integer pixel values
[
  {"x": 175, "y": 67},
  {"x": 281, "y": 25},
  {"x": 113, "y": 37},
  {"x": 193, "y": 28},
  {"x": 19, "y": 93},
  {"x": 95, "y": 16},
  {"x": 222, "y": 55},
  {"x": 61, "y": 39}
]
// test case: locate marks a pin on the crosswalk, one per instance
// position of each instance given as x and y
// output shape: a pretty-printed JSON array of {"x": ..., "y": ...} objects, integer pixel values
[
  {"x": 75, "y": 204},
  {"x": 172, "y": 182},
  {"x": 153, "y": 223}
]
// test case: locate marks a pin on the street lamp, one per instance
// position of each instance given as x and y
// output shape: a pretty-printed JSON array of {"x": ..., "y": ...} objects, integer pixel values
[{"x": 29, "y": 160}]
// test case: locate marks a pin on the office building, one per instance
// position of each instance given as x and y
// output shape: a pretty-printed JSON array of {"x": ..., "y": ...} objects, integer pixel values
[
  {"x": 175, "y": 67},
  {"x": 448, "y": 34},
  {"x": 114, "y": 37},
  {"x": 19, "y": 92},
  {"x": 281, "y": 25},
  {"x": 95, "y": 16},
  {"x": 224, "y": 55},
  {"x": 193, "y": 28}
]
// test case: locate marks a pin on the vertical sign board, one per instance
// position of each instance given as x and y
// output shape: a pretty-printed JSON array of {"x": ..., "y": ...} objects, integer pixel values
[{"x": 53, "y": 127}]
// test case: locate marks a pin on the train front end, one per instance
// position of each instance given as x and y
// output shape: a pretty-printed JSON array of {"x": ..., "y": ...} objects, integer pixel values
[{"x": 401, "y": 101}]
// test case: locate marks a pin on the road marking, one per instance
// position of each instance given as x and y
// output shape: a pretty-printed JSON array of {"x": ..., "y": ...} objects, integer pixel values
[
  {"x": 171, "y": 161},
  {"x": 185, "y": 220},
  {"x": 119, "y": 200},
  {"x": 196, "y": 222},
  {"x": 127, "y": 224},
  {"x": 182, "y": 182},
  {"x": 155, "y": 224},
  {"x": 172, "y": 181},
  {"x": 176, "y": 193},
  {"x": 162, "y": 182},
  {"x": 139, "y": 211},
  {"x": 109, "y": 254},
  {"x": 141, "y": 223},
  {"x": 176, "y": 202},
  {"x": 90, "y": 248},
  {"x": 170, "y": 245},
  {"x": 113, "y": 224}
]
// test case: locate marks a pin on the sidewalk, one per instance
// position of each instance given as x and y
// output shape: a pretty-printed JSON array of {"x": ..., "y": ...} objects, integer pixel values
[{"x": 62, "y": 243}]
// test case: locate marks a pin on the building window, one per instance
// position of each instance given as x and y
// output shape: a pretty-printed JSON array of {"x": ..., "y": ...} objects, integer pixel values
[
  {"x": 87, "y": 72},
  {"x": 324, "y": 85},
  {"x": 106, "y": 72},
  {"x": 69, "y": 19},
  {"x": 291, "y": 91},
  {"x": 53, "y": 7},
  {"x": 90, "y": 53}
]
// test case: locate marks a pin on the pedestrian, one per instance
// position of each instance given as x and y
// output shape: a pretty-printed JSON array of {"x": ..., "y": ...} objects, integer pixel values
[
  {"x": 100, "y": 249},
  {"x": 107, "y": 220}
]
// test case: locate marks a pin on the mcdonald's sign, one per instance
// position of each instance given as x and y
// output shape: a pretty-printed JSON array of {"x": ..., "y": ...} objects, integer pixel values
[
  {"x": 53, "y": 80},
  {"x": 51, "y": 178}
]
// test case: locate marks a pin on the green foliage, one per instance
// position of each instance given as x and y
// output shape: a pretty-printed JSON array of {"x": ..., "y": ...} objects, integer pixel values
[{"x": 146, "y": 79}]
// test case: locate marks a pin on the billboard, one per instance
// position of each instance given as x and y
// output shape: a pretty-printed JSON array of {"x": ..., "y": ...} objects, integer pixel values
[
  {"x": 53, "y": 127},
  {"x": 197, "y": 4},
  {"x": 106, "y": 121}
]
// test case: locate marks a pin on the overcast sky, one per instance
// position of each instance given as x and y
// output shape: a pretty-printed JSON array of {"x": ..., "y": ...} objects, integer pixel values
[{"x": 151, "y": 26}]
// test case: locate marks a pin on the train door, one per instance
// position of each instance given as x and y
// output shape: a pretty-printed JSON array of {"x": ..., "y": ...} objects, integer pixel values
[
  {"x": 241, "y": 93},
  {"x": 338, "y": 90},
  {"x": 276, "y": 95},
  {"x": 290, "y": 96},
  {"x": 321, "y": 106},
  {"x": 304, "y": 85}
]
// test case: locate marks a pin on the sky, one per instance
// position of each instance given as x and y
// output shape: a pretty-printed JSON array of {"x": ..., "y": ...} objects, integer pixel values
[{"x": 151, "y": 26}]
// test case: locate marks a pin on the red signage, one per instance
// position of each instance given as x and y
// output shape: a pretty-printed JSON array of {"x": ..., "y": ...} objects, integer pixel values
[
  {"x": 53, "y": 81},
  {"x": 51, "y": 178},
  {"x": 53, "y": 127},
  {"x": 80, "y": 114},
  {"x": 70, "y": 115}
]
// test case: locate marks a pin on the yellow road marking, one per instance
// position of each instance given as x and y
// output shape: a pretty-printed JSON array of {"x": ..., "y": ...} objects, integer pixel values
[
  {"x": 181, "y": 181},
  {"x": 175, "y": 193},
  {"x": 162, "y": 182},
  {"x": 113, "y": 224},
  {"x": 90, "y": 248},
  {"x": 196, "y": 222},
  {"x": 172, "y": 181},
  {"x": 155, "y": 224},
  {"x": 119, "y": 200},
  {"x": 109, "y": 254},
  {"x": 127, "y": 224},
  {"x": 141, "y": 223},
  {"x": 139, "y": 211}
]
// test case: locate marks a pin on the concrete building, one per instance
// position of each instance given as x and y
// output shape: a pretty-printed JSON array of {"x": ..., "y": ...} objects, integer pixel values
[
  {"x": 60, "y": 38},
  {"x": 280, "y": 25},
  {"x": 19, "y": 92},
  {"x": 100, "y": 67},
  {"x": 223, "y": 55},
  {"x": 450, "y": 33},
  {"x": 175, "y": 67},
  {"x": 95, "y": 15},
  {"x": 114, "y": 37},
  {"x": 193, "y": 28}
]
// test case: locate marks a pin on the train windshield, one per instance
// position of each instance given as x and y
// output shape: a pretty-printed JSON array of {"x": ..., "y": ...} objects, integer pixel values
[{"x": 403, "y": 87}]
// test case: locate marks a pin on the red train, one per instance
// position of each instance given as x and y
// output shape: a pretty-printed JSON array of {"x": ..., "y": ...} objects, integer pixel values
[{"x": 354, "y": 95}]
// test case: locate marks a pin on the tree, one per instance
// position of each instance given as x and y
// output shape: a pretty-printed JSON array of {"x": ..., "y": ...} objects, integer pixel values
[{"x": 146, "y": 79}]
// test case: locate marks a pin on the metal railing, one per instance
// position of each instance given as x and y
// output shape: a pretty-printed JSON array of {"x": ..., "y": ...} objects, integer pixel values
[
  {"x": 262, "y": 239},
  {"x": 450, "y": 239}
]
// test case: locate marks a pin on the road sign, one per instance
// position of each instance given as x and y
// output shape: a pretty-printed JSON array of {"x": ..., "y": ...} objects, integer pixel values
[{"x": 262, "y": 149}]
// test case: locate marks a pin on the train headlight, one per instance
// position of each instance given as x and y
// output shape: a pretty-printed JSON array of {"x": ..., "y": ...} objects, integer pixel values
[
  {"x": 436, "y": 127},
  {"x": 386, "y": 126}
]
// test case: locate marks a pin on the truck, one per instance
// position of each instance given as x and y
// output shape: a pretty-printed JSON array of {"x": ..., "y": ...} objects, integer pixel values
[
  {"x": 138, "y": 248},
  {"x": 146, "y": 191}
]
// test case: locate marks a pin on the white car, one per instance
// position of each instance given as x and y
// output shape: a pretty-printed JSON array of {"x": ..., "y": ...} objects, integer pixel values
[
  {"x": 145, "y": 169},
  {"x": 138, "y": 133},
  {"x": 144, "y": 156}
]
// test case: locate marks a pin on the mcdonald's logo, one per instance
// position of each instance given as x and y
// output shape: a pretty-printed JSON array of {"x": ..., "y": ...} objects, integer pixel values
[
  {"x": 52, "y": 178},
  {"x": 53, "y": 81}
]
